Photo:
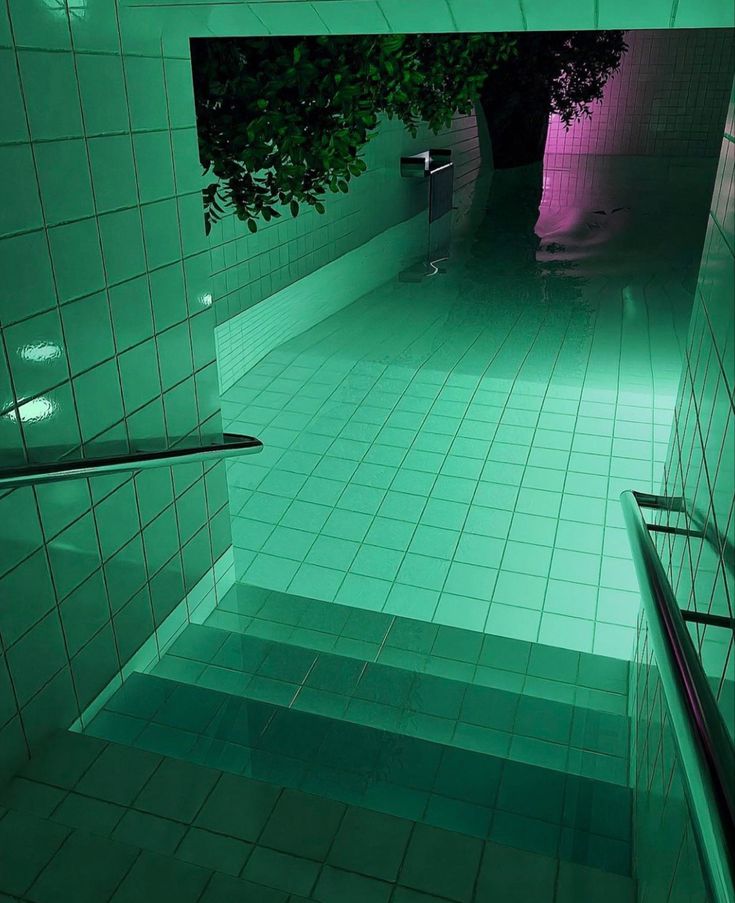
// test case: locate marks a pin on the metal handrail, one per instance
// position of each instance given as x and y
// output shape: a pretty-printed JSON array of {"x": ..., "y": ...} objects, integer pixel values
[
  {"x": 31, "y": 474},
  {"x": 705, "y": 746}
]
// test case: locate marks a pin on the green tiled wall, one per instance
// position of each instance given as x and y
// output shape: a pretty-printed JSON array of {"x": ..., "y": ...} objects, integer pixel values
[
  {"x": 101, "y": 224},
  {"x": 248, "y": 337},
  {"x": 246, "y": 269},
  {"x": 666, "y": 854},
  {"x": 667, "y": 100},
  {"x": 701, "y": 462},
  {"x": 106, "y": 345},
  {"x": 308, "y": 268},
  {"x": 701, "y": 467}
]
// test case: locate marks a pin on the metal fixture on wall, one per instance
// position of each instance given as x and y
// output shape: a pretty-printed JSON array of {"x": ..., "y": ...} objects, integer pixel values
[
  {"x": 233, "y": 444},
  {"x": 436, "y": 166},
  {"x": 704, "y": 744}
]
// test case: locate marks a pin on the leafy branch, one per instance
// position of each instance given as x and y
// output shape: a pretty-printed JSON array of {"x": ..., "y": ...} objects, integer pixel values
[{"x": 282, "y": 121}]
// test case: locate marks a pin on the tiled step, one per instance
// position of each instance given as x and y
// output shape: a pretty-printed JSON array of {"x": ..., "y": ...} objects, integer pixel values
[
  {"x": 563, "y": 675},
  {"x": 523, "y": 728},
  {"x": 95, "y": 821},
  {"x": 538, "y": 809}
]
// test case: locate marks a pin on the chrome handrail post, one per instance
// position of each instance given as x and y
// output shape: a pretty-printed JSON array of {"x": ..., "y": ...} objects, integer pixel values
[{"x": 705, "y": 747}]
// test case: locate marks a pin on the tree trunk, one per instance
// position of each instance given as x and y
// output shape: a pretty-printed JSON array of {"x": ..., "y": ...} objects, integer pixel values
[{"x": 518, "y": 122}]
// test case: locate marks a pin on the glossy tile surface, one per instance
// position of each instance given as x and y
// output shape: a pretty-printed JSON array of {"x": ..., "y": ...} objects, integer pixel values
[
  {"x": 225, "y": 836},
  {"x": 529, "y": 703},
  {"x": 700, "y": 466},
  {"x": 454, "y": 451},
  {"x": 96, "y": 357},
  {"x": 101, "y": 224},
  {"x": 473, "y": 793}
]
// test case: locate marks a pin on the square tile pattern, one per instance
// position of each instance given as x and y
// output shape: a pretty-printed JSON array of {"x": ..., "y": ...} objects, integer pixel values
[
  {"x": 282, "y": 846},
  {"x": 476, "y": 794},
  {"x": 99, "y": 310},
  {"x": 700, "y": 467},
  {"x": 462, "y": 463},
  {"x": 645, "y": 111},
  {"x": 103, "y": 225},
  {"x": 108, "y": 345},
  {"x": 535, "y": 704}
]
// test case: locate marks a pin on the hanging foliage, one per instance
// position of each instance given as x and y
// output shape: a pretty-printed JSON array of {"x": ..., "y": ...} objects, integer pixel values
[{"x": 282, "y": 120}]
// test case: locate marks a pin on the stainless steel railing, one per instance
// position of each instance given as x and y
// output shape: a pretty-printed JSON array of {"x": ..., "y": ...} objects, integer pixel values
[
  {"x": 232, "y": 445},
  {"x": 705, "y": 747}
]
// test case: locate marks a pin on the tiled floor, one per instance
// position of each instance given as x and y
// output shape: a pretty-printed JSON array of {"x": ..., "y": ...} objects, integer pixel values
[
  {"x": 524, "y": 806},
  {"x": 530, "y": 703},
  {"x": 95, "y": 821},
  {"x": 489, "y": 737},
  {"x": 508, "y": 723},
  {"x": 548, "y": 672},
  {"x": 454, "y": 451},
  {"x": 292, "y": 750}
]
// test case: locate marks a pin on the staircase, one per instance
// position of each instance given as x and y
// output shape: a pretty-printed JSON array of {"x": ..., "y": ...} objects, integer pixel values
[{"x": 290, "y": 749}]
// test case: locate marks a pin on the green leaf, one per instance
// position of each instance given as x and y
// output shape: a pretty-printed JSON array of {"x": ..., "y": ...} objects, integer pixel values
[
  {"x": 294, "y": 207},
  {"x": 252, "y": 225},
  {"x": 282, "y": 120}
]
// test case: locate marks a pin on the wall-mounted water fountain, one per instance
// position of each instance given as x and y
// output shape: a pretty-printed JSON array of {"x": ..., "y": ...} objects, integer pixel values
[{"x": 436, "y": 167}]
